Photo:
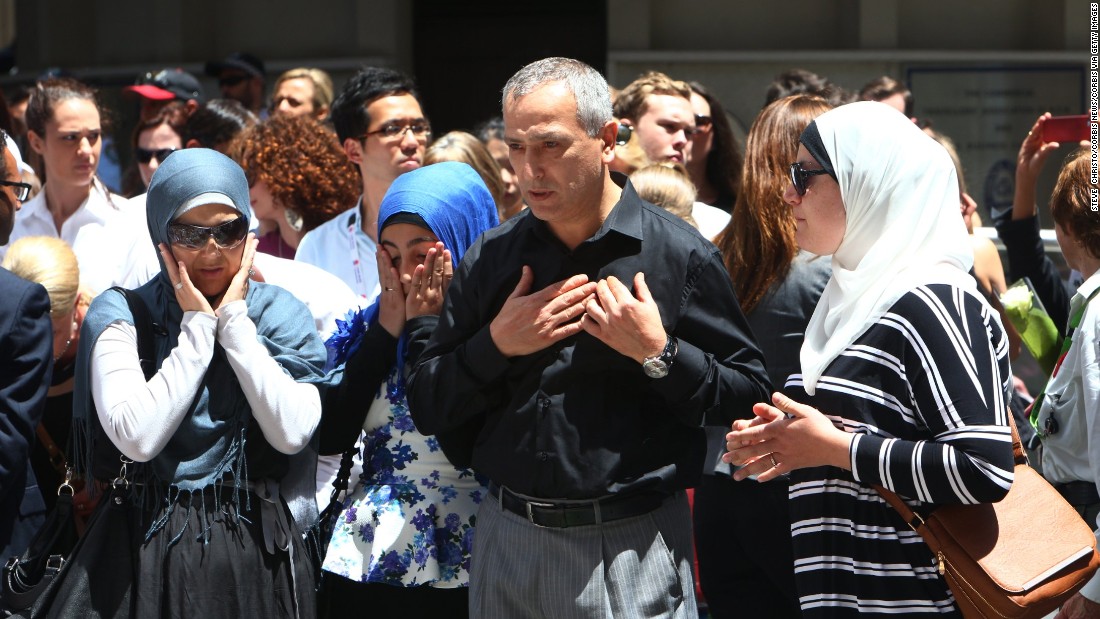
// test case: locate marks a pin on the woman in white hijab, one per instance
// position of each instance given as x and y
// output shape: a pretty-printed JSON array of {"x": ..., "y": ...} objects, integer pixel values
[{"x": 904, "y": 377}]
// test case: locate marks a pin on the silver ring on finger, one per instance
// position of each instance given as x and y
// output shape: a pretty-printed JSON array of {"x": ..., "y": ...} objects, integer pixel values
[
  {"x": 179, "y": 285},
  {"x": 775, "y": 464}
]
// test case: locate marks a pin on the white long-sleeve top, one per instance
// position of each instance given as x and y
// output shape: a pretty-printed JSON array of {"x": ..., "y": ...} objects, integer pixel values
[{"x": 140, "y": 417}]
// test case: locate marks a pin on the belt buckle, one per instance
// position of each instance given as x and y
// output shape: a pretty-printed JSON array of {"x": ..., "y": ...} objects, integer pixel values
[{"x": 531, "y": 516}]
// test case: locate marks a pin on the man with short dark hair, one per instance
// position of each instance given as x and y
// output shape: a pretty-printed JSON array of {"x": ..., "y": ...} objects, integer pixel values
[
  {"x": 581, "y": 347},
  {"x": 382, "y": 128},
  {"x": 241, "y": 77}
]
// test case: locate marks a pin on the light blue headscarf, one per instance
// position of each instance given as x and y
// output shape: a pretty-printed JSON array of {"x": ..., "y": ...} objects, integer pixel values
[
  {"x": 208, "y": 446},
  {"x": 457, "y": 206}
]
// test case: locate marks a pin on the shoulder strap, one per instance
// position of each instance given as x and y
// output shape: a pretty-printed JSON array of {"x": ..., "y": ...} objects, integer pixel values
[{"x": 144, "y": 325}]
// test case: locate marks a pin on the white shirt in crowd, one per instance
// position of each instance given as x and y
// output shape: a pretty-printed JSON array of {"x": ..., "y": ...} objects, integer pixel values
[
  {"x": 710, "y": 219},
  {"x": 340, "y": 247},
  {"x": 103, "y": 233}
]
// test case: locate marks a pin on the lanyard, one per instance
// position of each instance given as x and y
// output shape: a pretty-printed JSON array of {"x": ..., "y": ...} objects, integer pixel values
[{"x": 356, "y": 259}]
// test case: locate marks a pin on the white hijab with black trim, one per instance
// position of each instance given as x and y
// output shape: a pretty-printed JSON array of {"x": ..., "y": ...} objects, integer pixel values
[{"x": 903, "y": 228}]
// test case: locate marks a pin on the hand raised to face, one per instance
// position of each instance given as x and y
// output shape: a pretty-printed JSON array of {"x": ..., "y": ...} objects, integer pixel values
[
  {"x": 391, "y": 300},
  {"x": 429, "y": 283},
  {"x": 238, "y": 286},
  {"x": 187, "y": 295}
]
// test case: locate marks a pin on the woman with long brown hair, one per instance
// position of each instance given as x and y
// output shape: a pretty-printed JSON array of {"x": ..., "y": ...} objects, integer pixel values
[{"x": 742, "y": 573}]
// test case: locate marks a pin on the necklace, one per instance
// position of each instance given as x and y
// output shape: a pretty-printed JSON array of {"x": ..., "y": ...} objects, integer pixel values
[{"x": 68, "y": 342}]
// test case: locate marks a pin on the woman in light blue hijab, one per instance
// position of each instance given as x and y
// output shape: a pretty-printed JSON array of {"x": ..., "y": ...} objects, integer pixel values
[
  {"x": 214, "y": 431},
  {"x": 402, "y": 545}
]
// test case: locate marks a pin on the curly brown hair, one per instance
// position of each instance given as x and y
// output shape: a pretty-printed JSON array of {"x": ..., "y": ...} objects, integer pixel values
[{"x": 302, "y": 164}]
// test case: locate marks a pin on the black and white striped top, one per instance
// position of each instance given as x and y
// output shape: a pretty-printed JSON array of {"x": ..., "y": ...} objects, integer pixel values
[{"x": 925, "y": 390}]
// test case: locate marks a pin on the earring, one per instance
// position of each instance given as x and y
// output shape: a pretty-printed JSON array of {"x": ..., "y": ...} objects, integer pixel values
[{"x": 294, "y": 219}]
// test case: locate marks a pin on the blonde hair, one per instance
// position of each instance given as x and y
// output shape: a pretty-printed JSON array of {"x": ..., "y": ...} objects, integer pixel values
[
  {"x": 465, "y": 148},
  {"x": 50, "y": 262},
  {"x": 668, "y": 186},
  {"x": 322, "y": 84}
]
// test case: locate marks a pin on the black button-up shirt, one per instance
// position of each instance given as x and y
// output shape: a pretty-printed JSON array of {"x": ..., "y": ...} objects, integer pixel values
[{"x": 578, "y": 419}]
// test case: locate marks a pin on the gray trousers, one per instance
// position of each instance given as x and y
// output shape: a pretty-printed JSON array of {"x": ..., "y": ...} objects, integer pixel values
[{"x": 635, "y": 567}]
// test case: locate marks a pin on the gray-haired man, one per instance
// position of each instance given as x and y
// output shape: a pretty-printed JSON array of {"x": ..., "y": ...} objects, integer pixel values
[{"x": 583, "y": 343}]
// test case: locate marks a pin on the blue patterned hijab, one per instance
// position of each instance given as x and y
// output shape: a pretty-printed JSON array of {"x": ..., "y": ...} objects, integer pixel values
[
  {"x": 455, "y": 203},
  {"x": 208, "y": 446}
]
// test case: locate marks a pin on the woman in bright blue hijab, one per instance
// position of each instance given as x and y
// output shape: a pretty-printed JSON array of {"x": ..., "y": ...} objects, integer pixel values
[
  {"x": 402, "y": 545},
  {"x": 214, "y": 431}
]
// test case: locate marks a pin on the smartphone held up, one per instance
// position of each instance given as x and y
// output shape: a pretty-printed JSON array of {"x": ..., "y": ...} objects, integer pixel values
[{"x": 1066, "y": 129}]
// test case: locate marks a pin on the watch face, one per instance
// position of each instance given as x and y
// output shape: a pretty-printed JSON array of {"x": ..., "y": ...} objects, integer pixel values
[{"x": 655, "y": 368}]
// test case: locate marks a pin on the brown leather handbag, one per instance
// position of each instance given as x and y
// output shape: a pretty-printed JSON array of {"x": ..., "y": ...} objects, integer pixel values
[{"x": 1019, "y": 558}]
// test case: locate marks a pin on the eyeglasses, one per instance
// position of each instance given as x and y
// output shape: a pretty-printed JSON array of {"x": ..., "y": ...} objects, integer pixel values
[
  {"x": 231, "y": 80},
  {"x": 701, "y": 122},
  {"x": 144, "y": 155},
  {"x": 420, "y": 130},
  {"x": 799, "y": 176},
  {"x": 226, "y": 236},
  {"x": 22, "y": 190}
]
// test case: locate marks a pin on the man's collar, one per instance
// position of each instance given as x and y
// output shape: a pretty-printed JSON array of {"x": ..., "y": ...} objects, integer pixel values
[{"x": 625, "y": 217}]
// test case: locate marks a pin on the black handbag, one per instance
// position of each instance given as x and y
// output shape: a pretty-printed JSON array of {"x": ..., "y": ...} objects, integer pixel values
[{"x": 27, "y": 575}]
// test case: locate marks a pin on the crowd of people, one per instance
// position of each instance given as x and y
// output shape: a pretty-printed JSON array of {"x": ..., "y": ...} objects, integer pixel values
[{"x": 591, "y": 358}]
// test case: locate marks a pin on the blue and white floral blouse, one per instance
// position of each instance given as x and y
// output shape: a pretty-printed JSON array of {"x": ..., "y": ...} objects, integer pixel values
[{"x": 410, "y": 519}]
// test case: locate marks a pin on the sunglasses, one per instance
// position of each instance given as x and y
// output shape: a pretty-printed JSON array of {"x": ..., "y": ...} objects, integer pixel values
[
  {"x": 144, "y": 155},
  {"x": 702, "y": 122},
  {"x": 22, "y": 190},
  {"x": 799, "y": 176},
  {"x": 232, "y": 80},
  {"x": 226, "y": 236},
  {"x": 622, "y": 136}
]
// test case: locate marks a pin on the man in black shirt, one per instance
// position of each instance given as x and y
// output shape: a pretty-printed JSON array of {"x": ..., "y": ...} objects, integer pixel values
[{"x": 585, "y": 398}]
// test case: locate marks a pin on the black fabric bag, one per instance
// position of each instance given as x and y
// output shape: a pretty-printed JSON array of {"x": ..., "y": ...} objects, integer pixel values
[
  {"x": 98, "y": 579},
  {"x": 26, "y": 576}
]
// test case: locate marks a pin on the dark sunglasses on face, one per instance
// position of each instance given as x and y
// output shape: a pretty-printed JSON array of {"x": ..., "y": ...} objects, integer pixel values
[
  {"x": 702, "y": 122},
  {"x": 231, "y": 80},
  {"x": 799, "y": 176},
  {"x": 144, "y": 155},
  {"x": 226, "y": 236},
  {"x": 22, "y": 190}
]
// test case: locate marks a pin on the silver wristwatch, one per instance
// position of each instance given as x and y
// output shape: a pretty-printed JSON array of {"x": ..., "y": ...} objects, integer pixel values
[{"x": 657, "y": 367}]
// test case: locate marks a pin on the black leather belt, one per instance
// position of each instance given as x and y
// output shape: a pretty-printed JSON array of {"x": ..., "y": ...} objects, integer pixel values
[
  {"x": 1078, "y": 492},
  {"x": 563, "y": 514}
]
